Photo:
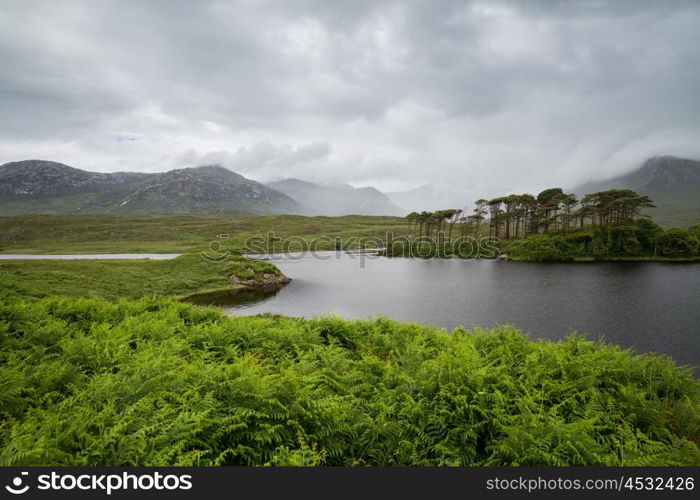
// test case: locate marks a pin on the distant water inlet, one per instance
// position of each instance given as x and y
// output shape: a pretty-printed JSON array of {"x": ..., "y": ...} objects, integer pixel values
[
  {"x": 641, "y": 305},
  {"x": 94, "y": 256}
]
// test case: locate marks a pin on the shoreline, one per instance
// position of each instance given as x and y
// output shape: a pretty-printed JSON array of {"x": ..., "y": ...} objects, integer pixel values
[{"x": 569, "y": 260}]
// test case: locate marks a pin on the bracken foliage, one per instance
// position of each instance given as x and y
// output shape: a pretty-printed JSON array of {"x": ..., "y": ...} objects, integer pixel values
[{"x": 156, "y": 382}]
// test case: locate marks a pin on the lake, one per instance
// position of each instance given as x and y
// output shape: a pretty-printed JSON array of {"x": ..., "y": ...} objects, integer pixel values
[
  {"x": 91, "y": 256},
  {"x": 646, "y": 306}
]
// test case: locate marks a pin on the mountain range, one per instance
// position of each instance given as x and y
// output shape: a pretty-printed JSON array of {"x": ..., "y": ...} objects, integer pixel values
[{"x": 37, "y": 186}]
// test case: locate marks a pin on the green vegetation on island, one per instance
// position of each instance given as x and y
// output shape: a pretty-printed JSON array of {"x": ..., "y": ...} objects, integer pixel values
[
  {"x": 641, "y": 240},
  {"x": 606, "y": 225},
  {"x": 157, "y": 382}
]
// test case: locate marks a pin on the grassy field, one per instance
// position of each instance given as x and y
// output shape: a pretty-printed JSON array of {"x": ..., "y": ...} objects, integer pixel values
[
  {"x": 82, "y": 234},
  {"x": 112, "y": 279},
  {"x": 156, "y": 382}
]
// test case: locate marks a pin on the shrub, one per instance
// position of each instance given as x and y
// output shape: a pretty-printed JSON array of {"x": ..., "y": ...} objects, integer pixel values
[
  {"x": 677, "y": 242},
  {"x": 535, "y": 248}
]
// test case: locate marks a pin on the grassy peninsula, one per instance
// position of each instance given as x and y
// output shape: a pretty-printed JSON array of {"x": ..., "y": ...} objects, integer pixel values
[{"x": 112, "y": 279}]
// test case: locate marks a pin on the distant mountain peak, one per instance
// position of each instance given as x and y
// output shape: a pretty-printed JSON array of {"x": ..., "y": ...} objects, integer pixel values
[
  {"x": 34, "y": 163},
  {"x": 665, "y": 159},
  {"x": 664, "y": 172},
  {"x": 213, "y": 168}
]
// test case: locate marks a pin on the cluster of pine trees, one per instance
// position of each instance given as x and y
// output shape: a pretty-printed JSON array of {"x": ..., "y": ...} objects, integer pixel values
[{"x": 519, "y": 215}]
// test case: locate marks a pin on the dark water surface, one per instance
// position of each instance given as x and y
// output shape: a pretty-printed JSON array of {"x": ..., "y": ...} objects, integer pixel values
[{"x": 647, "y": 306}]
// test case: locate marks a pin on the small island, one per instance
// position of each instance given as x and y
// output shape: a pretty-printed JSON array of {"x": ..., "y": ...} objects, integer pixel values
[{"x": 552, "y": 226}]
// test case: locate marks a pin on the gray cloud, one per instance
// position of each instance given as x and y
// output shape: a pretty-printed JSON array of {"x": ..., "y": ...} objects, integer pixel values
[{"x": 477, "y": 98}]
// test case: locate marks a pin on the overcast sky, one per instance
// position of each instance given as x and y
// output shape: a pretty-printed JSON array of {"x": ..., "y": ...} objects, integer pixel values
[{"x": 476, "y": 98}]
